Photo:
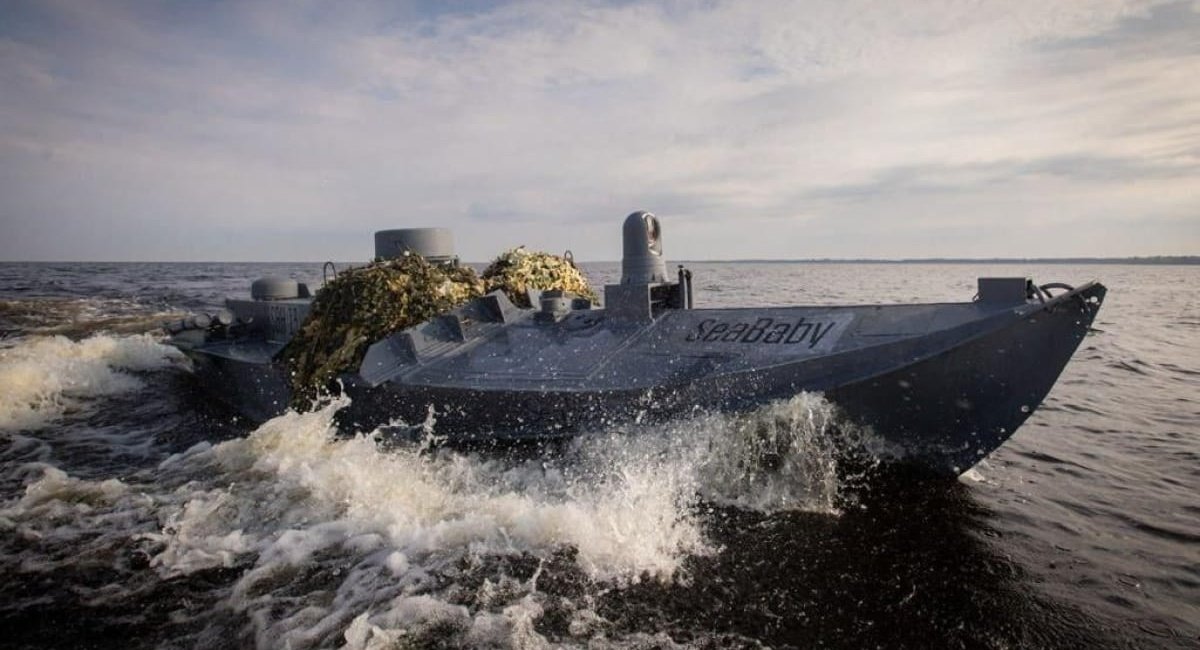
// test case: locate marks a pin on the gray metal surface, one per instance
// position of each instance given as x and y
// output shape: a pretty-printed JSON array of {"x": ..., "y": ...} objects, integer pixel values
[
  {"x": 274, "y": 288},
  {"x": 942, "y": 398},
  {"x": 1004, "y": 290},
  {"x": 642, "y": 262},
  {"x": 596, "y": 350},
  {"x": 435, "y": 244}
]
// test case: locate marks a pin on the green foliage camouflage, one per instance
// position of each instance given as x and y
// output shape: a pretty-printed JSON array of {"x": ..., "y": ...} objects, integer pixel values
[
  {"x": 517, "y": 269},
  {"x": 364, "y": 305}
]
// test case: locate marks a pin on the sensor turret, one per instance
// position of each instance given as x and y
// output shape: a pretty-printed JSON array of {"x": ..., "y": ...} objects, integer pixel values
[{"x": 643, "y": 262}]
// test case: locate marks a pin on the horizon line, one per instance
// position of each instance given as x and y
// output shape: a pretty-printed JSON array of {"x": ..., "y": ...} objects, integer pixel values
[{"x": 1137, "y": 259}]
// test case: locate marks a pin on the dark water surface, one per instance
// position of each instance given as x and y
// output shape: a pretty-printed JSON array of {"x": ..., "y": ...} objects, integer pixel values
[{"x": 133, "y": 513}]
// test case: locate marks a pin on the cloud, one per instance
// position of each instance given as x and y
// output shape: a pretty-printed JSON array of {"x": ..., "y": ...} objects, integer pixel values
[{"x": 154, "y": 127}]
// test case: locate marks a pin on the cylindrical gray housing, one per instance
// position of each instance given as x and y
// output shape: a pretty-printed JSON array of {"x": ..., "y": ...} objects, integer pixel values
[
  {"x": 274, "y": 288},
  {"x": 643, "y": 262},
  {"x": 434, "y": 244}
]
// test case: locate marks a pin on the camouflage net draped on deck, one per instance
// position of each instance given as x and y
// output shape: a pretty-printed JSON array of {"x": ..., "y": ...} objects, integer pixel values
[
  {"x": 517, "y": 269},
  {"x": 364, "y": 305}
]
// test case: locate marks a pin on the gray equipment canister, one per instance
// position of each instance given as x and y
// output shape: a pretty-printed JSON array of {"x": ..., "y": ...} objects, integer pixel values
[
  {"x": 274, "y": 288},
  {"x": 643, "y": 262},
  {"x": 434, "y": 244}
]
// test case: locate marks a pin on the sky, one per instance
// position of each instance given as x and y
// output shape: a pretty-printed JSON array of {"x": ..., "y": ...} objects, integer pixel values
[{"x": 260, "y": 130}]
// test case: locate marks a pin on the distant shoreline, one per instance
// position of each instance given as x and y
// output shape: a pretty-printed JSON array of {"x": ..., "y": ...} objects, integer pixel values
[
  {"x": 1160, "y": 260},
  {"x": 1166, "y": 260}
]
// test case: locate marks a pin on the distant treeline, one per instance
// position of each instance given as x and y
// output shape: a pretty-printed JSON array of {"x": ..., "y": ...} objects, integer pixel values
[{"x": 1155, "y": 260}]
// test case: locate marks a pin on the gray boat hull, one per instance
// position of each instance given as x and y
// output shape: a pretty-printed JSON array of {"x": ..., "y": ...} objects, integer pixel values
[
  {"x": 950, "y": 409},
  {"x": 939, "y": 386},
  {"x": 941, "y": 402}
]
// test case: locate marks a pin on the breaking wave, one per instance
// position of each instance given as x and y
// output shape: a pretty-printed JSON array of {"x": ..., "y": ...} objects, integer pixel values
[{"x": 43, "y": 378}]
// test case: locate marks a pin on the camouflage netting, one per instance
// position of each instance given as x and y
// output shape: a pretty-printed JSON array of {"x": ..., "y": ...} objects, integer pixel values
[
  {"x": 363, "y": 305},
  {"x": 516, "y": 270}
]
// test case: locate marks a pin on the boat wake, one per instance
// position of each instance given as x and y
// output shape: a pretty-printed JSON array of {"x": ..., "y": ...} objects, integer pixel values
[{"x": 297, "y": 535}]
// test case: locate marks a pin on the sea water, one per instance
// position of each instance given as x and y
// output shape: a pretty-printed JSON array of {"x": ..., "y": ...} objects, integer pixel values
[{"x": 134, "y": 512}]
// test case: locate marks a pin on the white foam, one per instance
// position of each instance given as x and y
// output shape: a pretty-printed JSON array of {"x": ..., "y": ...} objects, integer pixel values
[
  {"x": 977, "y": 474},
  {"x": 56, "y": 486},
  {"x": 294, "y": 494},
  {"x": 76, "y": 517},
  {"x": 43, "y": 378},
  {"x": 777, "y": 458},
  {"x": 198, "y": 535},
  {"x": 393, "y": 532},
  {"x": 633, "y": 520},
  {"x": 362, "y": 635}
]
